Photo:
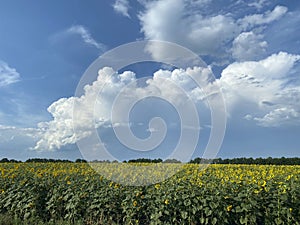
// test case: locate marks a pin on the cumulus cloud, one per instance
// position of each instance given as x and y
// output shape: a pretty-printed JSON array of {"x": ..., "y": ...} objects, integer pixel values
[
  {"x": 167, "y": 20},
  {"x": 94, "y": 107},
  {"x": 190, "y": 23},
  {"x": 258, "y": 91},
  {"x": 122, "y": 7},
  {"x": 59, "y": 131},
  {"x": 264, "y": 86},
  {"x": 8, "y": 75},
  {"x": 86, "y": 36},
  {"x": 248, "y": 46}
]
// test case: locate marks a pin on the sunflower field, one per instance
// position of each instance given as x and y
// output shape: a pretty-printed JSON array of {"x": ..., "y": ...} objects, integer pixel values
[{"x": 218, "y": 194}]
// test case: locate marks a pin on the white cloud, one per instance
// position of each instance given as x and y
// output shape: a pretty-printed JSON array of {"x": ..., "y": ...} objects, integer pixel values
[
  {"x": 59, "y": 131},
  {"x": 168, "y": 20},
  {"x": 262, "y": 89},
  {"x": 122, "y": 7},
  {"x": 8, "y": 75},
  {"x": 279, "y": 117},
  {"x": 93, "y": 108},
  {"x": 257, "y": 89},
  {"x": 248, "y": 46},
  {"x": 86, "y": 36},
  {"x": 261, "y": 19},
  {"x": 190, "y": 23},
  {"x": 9, "y": 133},
  {"x": 273, "y": 67},
  {"x": 259, "y": 4}
]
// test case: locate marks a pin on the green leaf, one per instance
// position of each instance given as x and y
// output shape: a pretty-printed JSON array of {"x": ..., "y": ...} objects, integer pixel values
[{"x": 184, "y": 215}]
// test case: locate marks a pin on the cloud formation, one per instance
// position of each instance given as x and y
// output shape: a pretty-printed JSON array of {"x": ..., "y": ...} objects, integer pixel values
[
  {"x": 248, "y": 46},
  {"x": 259, "y": 4},
  {"x": 258, "y": 91},
  {"x": 9, "y": 133},
  {"x": 93, "y": 108},
  {"x": 122, "y": 7},
  {"x": 167, "y": 20},
  {"x": 8, "y": 75},
  {"x": 263, "y": 89},
  {"x": 86, "y": 36},
  {"x": 59, "y": 131},
  {"x": 279, "y": 117},
  {"x": 260, "y": 19},
  {"x": 190, "y": 24}
]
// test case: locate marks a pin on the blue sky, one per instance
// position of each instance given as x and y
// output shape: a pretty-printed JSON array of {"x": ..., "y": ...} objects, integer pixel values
[{"x": 252, "y": 47}]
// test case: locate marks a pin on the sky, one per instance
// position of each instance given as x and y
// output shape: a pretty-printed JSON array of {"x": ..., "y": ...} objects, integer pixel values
[{"x": 251, "y": 48}]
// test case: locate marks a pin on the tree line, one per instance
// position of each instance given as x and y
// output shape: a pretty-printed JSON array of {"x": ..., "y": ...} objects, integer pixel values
[
  {"x": 41, "y": 160},
  {"x": 242, "y": 160},
  {"x": 251, "y": 161}
]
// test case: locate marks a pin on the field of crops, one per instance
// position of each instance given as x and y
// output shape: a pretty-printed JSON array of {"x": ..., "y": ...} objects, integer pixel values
[{"x": 220, "y": 194}]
